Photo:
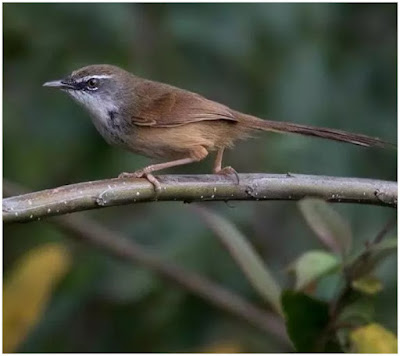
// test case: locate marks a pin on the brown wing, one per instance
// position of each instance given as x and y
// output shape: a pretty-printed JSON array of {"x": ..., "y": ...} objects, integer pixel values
[{"x": 168, "y": 106}]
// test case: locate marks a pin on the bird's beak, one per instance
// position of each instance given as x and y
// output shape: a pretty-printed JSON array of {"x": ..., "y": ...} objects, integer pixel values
[{"x": 59, "y": 84}]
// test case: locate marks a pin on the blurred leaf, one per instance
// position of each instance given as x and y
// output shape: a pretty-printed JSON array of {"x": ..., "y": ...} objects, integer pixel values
[
  {"x": 124, "y": 283},
  {"x": 331, "y": 228},
  {"x": 373, "y": 338},
  {"x": 313, "y": 265},
  {"x": 28, "y": 288},
  {"x": 306, "y": 319},
  {"x": 367, "y": 285},
  {"x": 223, "y": 347},
  {"x": 245, "y": 256},
  {"x": 358, "y": 311},
  {"x": 381, "y": 250},
  {"x": 365, "y": 262}
]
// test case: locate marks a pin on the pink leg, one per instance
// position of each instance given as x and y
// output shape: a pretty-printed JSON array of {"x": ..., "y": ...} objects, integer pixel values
[
  {"x": 197, "y": 154},
  {"x": 217, "y": 169},
  {"x": 146, "y": 171},
  {"x": 218, "y": 161}
]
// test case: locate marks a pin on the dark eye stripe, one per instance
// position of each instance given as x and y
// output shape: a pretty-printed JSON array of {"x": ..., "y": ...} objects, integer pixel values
[{"x": 82, "y": 84}]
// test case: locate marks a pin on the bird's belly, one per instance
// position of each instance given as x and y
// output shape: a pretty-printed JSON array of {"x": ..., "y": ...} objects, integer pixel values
[
  {"x": 180, "y": 141},
  {"x": 169, "y": 142}
]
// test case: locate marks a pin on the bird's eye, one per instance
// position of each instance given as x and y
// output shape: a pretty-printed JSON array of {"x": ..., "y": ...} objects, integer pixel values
[{"x": 92, "y": 84}]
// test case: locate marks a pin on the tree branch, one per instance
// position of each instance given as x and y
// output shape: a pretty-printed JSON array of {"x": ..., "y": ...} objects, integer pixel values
[
  {"x": 190, "y": 188},
  {"x": 119, "y": 246}
]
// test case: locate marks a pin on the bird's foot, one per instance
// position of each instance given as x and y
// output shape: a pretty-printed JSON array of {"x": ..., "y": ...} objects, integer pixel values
[
  {"x": 143, "y": 173},
  {"x": 228, "y": 171}
]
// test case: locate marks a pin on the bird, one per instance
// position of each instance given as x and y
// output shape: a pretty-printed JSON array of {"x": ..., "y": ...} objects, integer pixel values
[{"x": 165, "y": 122}]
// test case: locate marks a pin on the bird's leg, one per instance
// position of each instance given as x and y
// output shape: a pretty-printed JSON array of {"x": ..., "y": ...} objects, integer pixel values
[
  {"x": 217, "y": 169},
  {"x": 218, "y": 161},
  {"x": 197, "y": 154},
  {"x": 146, "y": 171}
]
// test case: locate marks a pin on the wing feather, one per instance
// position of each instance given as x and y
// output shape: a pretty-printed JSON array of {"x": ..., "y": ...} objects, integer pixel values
[{"x": 168, "y": 106}]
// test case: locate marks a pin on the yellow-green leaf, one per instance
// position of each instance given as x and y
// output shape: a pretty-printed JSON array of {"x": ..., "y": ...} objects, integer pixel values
[
  {"x": 27, "y": 290},
  {"x": 367, "y": 284},
  {"x": 223, "y": 347},
  {"x": 373, "y": 338},
  {"x": 313, "y": 265}
]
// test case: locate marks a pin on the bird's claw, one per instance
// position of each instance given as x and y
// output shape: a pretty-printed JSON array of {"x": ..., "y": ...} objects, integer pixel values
[
  {"x": 228, "y": 170},
  {"x": 137, "y": 174},
  {"x": 143, "y": 174}
]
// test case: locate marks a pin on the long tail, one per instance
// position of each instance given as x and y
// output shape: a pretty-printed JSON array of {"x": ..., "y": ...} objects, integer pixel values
[{"x": 330, "y": 134}]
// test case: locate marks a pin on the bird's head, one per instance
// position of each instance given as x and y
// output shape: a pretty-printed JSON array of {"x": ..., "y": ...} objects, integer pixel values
[{"x": 99, "y": 88}]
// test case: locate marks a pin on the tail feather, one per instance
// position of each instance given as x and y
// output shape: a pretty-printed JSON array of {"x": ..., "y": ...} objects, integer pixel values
[{"x": 322, "y": 132}]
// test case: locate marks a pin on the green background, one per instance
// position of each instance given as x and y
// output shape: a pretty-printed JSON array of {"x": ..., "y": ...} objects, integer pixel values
[{"x": 329, "y": 65}]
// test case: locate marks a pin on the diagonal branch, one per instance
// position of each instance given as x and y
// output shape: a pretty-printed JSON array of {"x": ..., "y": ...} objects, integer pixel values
[
  {"x": 117, "y": 245},
  {"x": 190, "y": 188}
]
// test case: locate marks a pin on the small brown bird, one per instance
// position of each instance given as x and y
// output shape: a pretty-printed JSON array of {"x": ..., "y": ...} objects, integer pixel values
[{"x": 161, "y": 121}]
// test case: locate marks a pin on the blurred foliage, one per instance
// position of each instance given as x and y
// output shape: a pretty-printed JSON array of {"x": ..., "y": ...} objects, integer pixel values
[
  {"x": 27, "y": 291},
  {"x": 306, "y": 318},
  {"x": 327, "y": 224},
  {"x": 368, "y": 284},
  {"x": 322, "y": 64},
  {"x": 328, "y": 326},
  {"x": 223, "y": 347},
  {"x": 373, "y": 338},
  {"x": 312, "y": 265},
  {"x": 246, "y": 257}
]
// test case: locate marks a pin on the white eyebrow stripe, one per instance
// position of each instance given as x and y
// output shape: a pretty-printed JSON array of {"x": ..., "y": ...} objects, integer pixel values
[{"x": 95, "y": 77}]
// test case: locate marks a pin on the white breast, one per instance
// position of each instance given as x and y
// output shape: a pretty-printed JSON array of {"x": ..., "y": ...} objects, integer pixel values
[{"x": 99, "y": 110}]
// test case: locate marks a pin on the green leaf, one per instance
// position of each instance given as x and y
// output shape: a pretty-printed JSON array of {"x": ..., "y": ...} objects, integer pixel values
[
  {"x": 373, "y": 338},
  {"x": 306, "y": 319},
  {"x": 330, "y": 227},
  {"x": 367, "y": 285},
  {"x": 246, "y": 257},
  {"x": 313, "y": 265},
  {"x": 358, "y": 310}
]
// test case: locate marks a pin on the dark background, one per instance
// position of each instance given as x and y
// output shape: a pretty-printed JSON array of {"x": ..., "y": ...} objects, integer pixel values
[{"x": 322, "y": 64}]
